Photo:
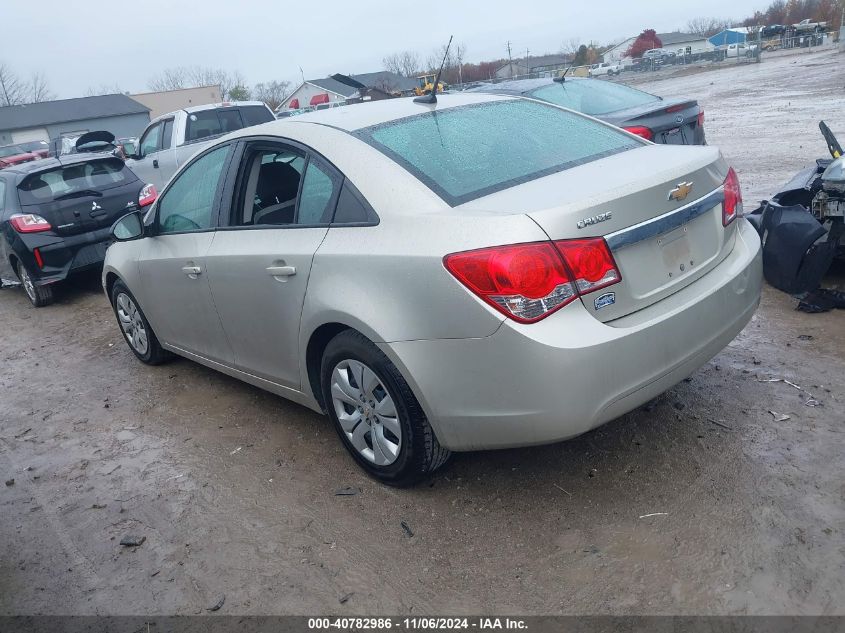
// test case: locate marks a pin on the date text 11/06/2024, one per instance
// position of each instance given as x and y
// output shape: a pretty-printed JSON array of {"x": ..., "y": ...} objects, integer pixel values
[{"x": 418, "y": 623}]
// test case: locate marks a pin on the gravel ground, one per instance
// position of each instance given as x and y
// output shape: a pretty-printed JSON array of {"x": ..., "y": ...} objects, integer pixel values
[{"x": 705, "y": 501}]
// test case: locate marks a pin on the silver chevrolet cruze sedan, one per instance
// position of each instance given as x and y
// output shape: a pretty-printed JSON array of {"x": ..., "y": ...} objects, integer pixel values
[{"x": 484, "y": 272}]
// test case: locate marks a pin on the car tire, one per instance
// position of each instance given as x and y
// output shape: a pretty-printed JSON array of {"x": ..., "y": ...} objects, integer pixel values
[
  {"x": 135, "y": 328},
  {"x": 375, "y": 413},
  {"x": 39, "y": 296}
]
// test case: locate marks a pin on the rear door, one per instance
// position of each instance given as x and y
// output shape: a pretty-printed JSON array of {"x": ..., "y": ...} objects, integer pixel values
[{"x": 282, "y": 202}]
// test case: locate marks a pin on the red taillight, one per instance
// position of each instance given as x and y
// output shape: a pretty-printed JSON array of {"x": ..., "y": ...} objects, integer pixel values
[
  {"x": 590, "y": 262},
  {"x": 148, "y": 195},
  {"x": 732, "y": 206},
  {"x": 29, "y": 223},
  {"x": 527, "y": 282},
  {"x": 676, "y": 108},
  {"x": 38, "y": 259},
  {"x": 701, "y": 118},
  {"x": 640, "y": 130}
]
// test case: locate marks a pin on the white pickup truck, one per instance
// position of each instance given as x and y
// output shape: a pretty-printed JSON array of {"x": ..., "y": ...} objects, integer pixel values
[
  {"x": 171, "y": 139},
  {"x": 604, "y": 68},
  {"x": 808, "y": 26}
]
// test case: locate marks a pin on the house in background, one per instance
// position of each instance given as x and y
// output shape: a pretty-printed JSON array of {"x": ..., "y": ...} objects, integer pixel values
[
  {"x": 171, "y": 100},
  {"x": 615, "y": 54},
  {"x": 685, "y": 43},
  {"x": 316, "y": 91},
  {"x": 540, "y": 65},
  {"x": 117, "y": 113},
  {"x": 348, "y": 89}
]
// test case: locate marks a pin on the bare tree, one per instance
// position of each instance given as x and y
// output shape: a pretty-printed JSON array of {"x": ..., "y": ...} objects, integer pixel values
[
  {"x": 405, "y": 63},
  {"x": 231, "y": 84},
  {"x": 38, "y": 90},
  {"x": 457, "y": 52},
  {"x": 570, "y": 47},
  {"x": 12, "y": 89},
  {"x": 103, "y": 89},
  {"x": 707, "y": 27},
  {"x": 272, "y": 93}
]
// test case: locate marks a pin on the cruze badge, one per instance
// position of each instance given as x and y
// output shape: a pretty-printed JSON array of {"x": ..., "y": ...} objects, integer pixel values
[
  {"x": 595, "y": 219},
  {"x": 95, "y": 206},
  {"x": 680, "y": 192}
]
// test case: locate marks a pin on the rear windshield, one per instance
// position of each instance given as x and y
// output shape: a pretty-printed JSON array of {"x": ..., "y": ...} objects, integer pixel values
[
  {"x": 471, "y": 151},
  {"x": 592, "y": 97},
  {"x": 207, "y": 123},
  {"x": 72, "y": 180}
]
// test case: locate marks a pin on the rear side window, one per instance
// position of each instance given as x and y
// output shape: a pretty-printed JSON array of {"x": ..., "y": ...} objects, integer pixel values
[
  {"x": 468, "y": 152},
  {"x": 73, "y": 180},
  {"x": 592, "y": 97},
  {"x": 253, "y": 115},
  {"x": 207, "y": 123}
]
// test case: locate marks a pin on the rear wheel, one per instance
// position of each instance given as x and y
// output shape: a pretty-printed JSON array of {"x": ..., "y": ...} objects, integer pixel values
[
  {"x": 40, "y": 296},
  {"x": 136, "y": 330},
  {"x": 375, "y": 413}
]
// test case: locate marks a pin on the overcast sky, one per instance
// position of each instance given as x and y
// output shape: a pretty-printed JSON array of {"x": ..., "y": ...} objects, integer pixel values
[{"x": 92, "y": 43}]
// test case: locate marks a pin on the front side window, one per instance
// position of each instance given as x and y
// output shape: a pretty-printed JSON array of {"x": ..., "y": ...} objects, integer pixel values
[
  {"x": 216, "y": 121},
  {"x": 471, "y": 151},
  {"x": 188, "y": 202},
  {"x": 151, "y": 140}
]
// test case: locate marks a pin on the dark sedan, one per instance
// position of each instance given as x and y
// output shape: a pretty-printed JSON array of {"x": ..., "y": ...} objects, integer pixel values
[
  {"x": 667, "y": 121},
  {"x": 56, "y": 215}
]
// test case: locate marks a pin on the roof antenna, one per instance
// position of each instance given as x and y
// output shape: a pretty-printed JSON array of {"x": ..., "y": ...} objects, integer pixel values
[{"x": 431, "y": 97}]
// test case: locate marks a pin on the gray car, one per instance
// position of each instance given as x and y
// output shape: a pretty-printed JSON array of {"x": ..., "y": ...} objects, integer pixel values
[
  {"x": 481, "y": 273},
  {"x": 665, "y": 121}
]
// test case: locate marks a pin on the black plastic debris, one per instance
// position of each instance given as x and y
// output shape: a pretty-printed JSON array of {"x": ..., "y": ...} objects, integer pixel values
[
  {"x": 408, "y": 531},
  {"x": 822, "y": 300},
  {"x": 219, "y": 604},
  {"x": 132, "y": 540}
]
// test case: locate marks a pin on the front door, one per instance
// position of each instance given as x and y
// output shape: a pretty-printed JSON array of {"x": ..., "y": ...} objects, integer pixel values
[
  {"x": 146, "y": 163},
  {"x": 173, "y": 263},
  {"x": 259, "y": 265}
]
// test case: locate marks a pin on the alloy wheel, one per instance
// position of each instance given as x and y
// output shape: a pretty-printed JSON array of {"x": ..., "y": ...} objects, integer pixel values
[
  {"x": 132, "y": 324},
  {"x": 366, "y": 412},
  {"x": 28, "y": 286}
]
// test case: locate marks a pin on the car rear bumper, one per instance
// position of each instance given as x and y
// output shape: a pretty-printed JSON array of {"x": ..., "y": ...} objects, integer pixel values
[
  {"x": 552, "y": 380},
  {"x": 62, "y": 255}
]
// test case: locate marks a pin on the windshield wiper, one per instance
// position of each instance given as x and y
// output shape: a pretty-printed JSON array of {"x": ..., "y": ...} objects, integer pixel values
[{"x": 82, "y": 193}]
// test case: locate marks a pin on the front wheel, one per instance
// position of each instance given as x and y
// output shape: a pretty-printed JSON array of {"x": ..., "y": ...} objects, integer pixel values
[
  {"x": 39, "y": 296},
  {"x": 136, "y": 330},
  {"x": 375, "y": 412}
]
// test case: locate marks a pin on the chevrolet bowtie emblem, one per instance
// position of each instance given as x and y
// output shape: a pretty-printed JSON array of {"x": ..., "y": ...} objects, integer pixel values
[{"x": 680, "y": 192}]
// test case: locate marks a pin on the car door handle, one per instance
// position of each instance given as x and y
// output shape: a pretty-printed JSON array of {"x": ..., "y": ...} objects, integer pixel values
[
  {"x": 155, "y": 163},
  {"x": 192, "y": 271},
  {"x": 281, "y": 271}
]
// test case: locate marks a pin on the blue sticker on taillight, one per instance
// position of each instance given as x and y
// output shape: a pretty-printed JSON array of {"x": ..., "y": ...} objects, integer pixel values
[{"x": 607, "y": 299}]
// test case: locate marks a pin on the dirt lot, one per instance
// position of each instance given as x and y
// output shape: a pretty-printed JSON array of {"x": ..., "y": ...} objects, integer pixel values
[{"x": 234, "y": 489}]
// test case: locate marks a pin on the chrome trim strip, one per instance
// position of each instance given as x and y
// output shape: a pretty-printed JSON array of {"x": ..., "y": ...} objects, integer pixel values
[{"x": 664, "y": 223}]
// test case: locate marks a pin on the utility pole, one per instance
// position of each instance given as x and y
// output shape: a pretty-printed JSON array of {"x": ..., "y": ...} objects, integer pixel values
[{"x": 510, "y": 59}]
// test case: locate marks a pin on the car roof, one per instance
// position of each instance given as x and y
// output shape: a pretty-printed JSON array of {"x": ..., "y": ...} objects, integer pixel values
[
  {"x": 209, "y": 106},
  {"x": 358, "y": 116}
]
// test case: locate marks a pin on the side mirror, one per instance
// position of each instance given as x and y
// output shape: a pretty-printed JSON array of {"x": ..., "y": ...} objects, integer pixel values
[{"x": 129, "y": 227}]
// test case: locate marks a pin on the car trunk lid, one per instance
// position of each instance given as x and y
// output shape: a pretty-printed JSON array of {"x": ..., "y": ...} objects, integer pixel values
[
  {"x": 671, "y": 122},
  {"x": 661, "y": 241}
]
